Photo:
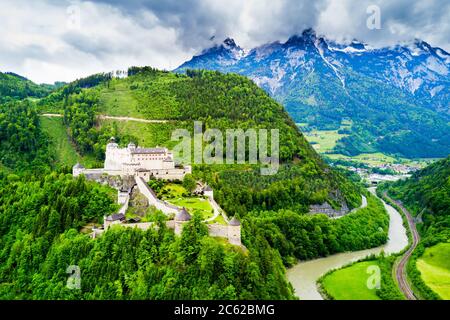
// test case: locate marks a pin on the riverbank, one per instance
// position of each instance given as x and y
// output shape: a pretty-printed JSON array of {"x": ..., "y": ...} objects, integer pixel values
[{"x": 304, "y": 275}]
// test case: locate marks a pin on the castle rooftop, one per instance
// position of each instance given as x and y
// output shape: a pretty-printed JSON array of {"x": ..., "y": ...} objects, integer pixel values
[
  {"x": 148, "y": 150},
  {"x": 234, "y": 222},
  {"x": 183, "y": 215}
]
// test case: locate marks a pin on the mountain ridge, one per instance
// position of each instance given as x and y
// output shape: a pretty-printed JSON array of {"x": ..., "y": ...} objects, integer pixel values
[{"x": 404, "y": 90}]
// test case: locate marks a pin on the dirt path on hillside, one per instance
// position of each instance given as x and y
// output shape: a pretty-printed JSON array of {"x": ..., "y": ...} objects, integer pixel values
[{"x": 105, "y": 117}]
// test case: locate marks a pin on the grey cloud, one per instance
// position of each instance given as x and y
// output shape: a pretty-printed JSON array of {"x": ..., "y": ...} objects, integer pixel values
[{"x": 117, "y": 33}]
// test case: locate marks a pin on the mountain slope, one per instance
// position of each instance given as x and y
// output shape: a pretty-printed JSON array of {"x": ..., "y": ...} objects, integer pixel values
[
  {"x": 41, "y": 214},
  {"x": 427, "y": 196},
  {"x": 397, "y": 98},
  {"x": 427, "y": 193},
  {"x": 219, "y": 101},
  {"x": 13, "y": 86}
]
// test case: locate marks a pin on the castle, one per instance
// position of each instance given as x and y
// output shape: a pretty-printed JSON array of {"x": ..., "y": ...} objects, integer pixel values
[
  {"x": 136, "y": 161},
  {"x": 231, "y": 230},
  {"x": 141, "y": 164}
]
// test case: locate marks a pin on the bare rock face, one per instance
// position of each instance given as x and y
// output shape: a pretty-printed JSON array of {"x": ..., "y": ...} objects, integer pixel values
[
  {"x": 138, "y": 203},
  {"x": 326, "y": 208}
]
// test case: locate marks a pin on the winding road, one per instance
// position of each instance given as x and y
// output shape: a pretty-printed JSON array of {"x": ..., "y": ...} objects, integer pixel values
[
  {"x": 105, "y": 117},
  {"x": 400, "y": 268}
]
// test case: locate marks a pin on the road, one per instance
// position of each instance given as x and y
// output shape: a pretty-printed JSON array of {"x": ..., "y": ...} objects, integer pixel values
[
  {"x": 400, "y": 268},
  {"x": 105, "y": 117},
  {"x": 363, "y": 205}
]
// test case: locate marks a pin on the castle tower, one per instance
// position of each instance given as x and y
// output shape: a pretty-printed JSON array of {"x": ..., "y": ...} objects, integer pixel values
[
  {"x": 234, "y": 231},
  {"x": 77, "y": 170},
  {"x": 181, "y": 218},
  {"x": 208, "y": 192}
]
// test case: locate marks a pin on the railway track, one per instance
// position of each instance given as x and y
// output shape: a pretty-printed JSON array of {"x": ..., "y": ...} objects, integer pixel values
[{"x": 400, "y": 268}]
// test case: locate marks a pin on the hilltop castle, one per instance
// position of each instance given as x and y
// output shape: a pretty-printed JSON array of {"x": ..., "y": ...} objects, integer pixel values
[
  {"x": 136, "y": 161},
  {"x": 141, "y": 164}
]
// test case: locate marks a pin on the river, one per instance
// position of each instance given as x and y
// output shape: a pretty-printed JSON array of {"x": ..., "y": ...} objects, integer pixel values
[{"x": 304, "y": 275}]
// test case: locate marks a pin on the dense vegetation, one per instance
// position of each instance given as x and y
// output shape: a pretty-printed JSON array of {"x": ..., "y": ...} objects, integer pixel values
[
  {"x": 39, "y": 241},
  {"x": 156, "y": 264},
  {"x": 427, "y": 196},
  {"x": 23, "y": 146},
  {"x": 310, "y": 236},
  {"x": 15, "y": 87}
]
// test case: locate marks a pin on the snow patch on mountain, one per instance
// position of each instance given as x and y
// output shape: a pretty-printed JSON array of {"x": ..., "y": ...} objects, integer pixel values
[
  {"x": 295, "y": 57},
  {"x": 274, "y": 82},
  {"x": 332, "y": 66},
  {"x": 435, "y": 65},
  {"x": 436, "y": 90}
]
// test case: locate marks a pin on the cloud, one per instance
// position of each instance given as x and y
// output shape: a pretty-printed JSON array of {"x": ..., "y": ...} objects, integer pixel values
[{"x": 62, "y": 40}]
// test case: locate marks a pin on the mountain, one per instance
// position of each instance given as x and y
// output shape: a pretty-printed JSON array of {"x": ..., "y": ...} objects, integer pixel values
[
  {"x": 14, "y": 86},
  {"x": 397, "y": 98},
  {"x": 44, "y": 212},
  {"x": 219, "y": 101}
]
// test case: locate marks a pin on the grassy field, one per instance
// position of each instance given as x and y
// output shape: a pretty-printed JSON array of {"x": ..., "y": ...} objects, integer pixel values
[
  {"x": 173, "y": 190},
  {"x": 140, "y": 97},
  {"x": 146, "y": 134},
  {"x": 350, "y": 283},
  {"x": 324, "y": 140},
  {"x": 64, "y": 150},
  {"x": 434, "y": 266},
  {"x": 368, "y": 158},
  {"x": 193, "y": 204},
  {"x": 117, "y": 100}
]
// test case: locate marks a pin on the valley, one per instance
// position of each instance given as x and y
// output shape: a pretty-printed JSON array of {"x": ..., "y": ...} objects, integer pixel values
[
  {"x": 224, "y": 159},
  {"x": 75, "y": 123},
  {"x": 305, "y": 275},
  {"x": 75, "y": 126},
  {"x": 395, "y": 97}
]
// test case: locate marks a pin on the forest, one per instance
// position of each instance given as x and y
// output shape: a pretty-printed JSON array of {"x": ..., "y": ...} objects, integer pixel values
[
  {"x": 16, "y": 87},
  {"x": 44, "y": 210},
  {"x": 427, "y": 196},
  {"x": 427, "y": 193},
  {"x": 39, "y": 240}
]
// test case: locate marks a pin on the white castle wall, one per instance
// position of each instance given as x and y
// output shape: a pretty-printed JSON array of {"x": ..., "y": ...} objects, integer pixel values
[
  {"x": 145, "y": 163},
  {"x": 218, "y": 230},
  {"x": 232, "y": 233},
  {"x": 152, "y": 198}
]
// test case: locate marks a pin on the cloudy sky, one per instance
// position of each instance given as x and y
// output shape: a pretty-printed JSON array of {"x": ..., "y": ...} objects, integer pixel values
[{"x": 57, "y": 40}]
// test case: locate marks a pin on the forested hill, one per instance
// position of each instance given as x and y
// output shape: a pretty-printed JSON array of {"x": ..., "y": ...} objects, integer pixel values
[
  {"x": 219, "y": 101},
  {"x": 43, "y": 214},
  {"x": 427, "y": 193},
  {"x": 13, "y": 86}
]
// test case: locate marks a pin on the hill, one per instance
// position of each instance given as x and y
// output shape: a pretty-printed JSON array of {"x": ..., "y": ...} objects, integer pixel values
[
  {"x": 427, "y": 196},
  {"x": 219, "y": 101},
  {"x": 46, "y": 213},
  {"x": 225, "y": 101},
  {"x": 396, "y": 99},
  {"x": 14, "y": 87}
]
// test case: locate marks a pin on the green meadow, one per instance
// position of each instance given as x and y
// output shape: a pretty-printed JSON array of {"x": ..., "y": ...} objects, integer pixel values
[
  {"x": 350, "y": 283},
  {"x": 64, "y": 151},
  {"x": 434, "y": 266}
]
